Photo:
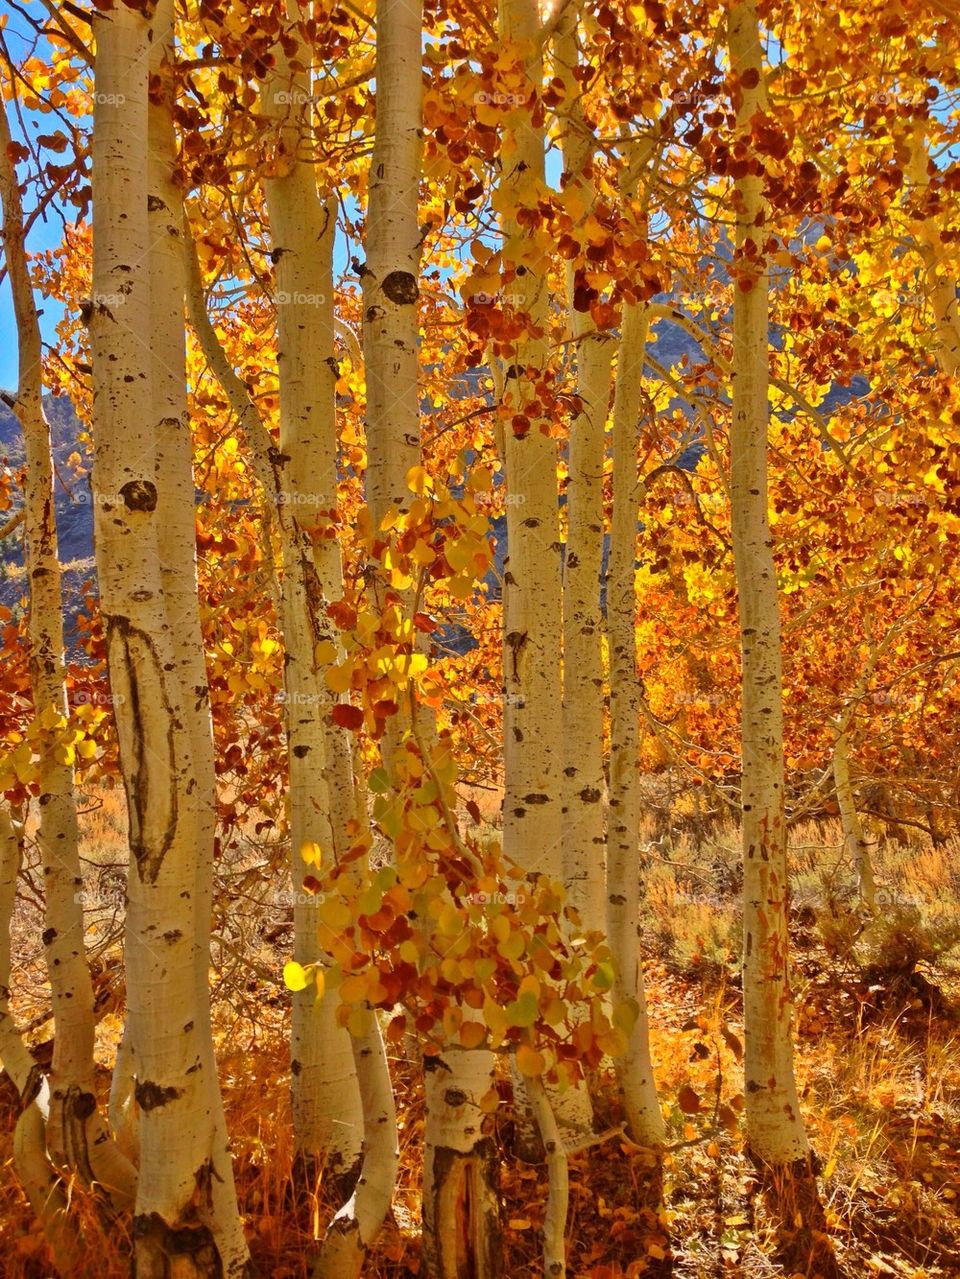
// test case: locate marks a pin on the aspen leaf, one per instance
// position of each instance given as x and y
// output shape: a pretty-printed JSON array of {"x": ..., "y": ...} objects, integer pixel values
[
  {"x": 295, "y": 976},
  {"x": 530, "y": 1062},
  {"x": 472, "y": 1034},
  {"x": 489, "y": 1101},
  {"x": 347, "y": 716},
  {"x": 523, "y": 1011},
  {"x": 311, "y": 853},
  {"x": 418, "y": 481},
  {"x": 339, "y": 678},
  {"x": 688, "y": 1100}
]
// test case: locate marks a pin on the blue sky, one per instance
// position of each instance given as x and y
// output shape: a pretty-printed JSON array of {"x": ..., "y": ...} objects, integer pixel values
[{"x": 45, "y": 234}]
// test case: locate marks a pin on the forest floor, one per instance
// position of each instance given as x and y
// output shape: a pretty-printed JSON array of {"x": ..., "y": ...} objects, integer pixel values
[{"x": 878, "y": 1029}]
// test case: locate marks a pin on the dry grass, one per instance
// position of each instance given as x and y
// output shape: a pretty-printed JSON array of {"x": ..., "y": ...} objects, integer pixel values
[{"x": 878, "y": 1067}]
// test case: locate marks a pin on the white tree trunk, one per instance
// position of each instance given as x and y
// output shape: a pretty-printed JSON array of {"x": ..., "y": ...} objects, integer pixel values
[
  {"x": 461, "y": 1211},
  {"x": 638, "y": 1091},
  {"x": 178, "y": 571},
  {"x": 854, "y": 840},
  {"x": 40, "y": 1181},
  {"x": 941, "y": 286},
  {"x": 533, "y": 758},
  {"x": 75, "y": 1130},
  {"x": 175, "y": 1222},
  {"x": 583, "y": 779},
  {"x": 558, "y": 1192},
  {"x": 774, "y": 1125},
  {"x": 461, "y": 1235},
  {"x": 327, "y": 1120},
  {"x": 532, "y": 584},
  {"x": 357, "y": 1224}
]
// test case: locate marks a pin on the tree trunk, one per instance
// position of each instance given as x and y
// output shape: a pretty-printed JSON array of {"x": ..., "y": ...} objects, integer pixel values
[
  {"x": 327, "y": 1121},
  {"x": 532, "y": 583},
  {"x": 533, "y": 758},
  {"x": 357, "y": 1224},
  {"x": 583, "y": 779},
  {"x": 178, "y": 572},
  {"x": 638, "y": 1091},
  {"x": 461, "y": 1231},
  {"x": 941, "y": 289},
  {"x": 774, "y": 1126},
  {"x": 461, "y": 1210},
  {"x": 41, "y": 1183},
  {"x": 855, "y": 842},
  {"x": 76, "y": 1134},
  {"x": 176, "y": 1226}
]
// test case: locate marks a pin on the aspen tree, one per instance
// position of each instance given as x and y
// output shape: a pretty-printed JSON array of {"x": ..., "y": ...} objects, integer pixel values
[
  {"x": 854, "y": 840},
  {"x": 41, "y": 1183},
  {"x": 75, "y": 1131},
  {"x": 583, "y": 779},
  {"x": 327, "y": 1121},
  {"x": 177, "y": 547},
  {"x": 940, "y": 286},
  {"x": 460, "y": 1204},
  {"x": 178, "y": 1222},
  {"x": 532, "y": 581},
  {"x": 635, "y": 1077},
  {"x": 775, "y": 1129}
]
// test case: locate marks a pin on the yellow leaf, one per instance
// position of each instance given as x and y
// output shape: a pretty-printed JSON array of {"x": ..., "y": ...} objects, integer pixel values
[
  {"x": 472, "y": 1035},
  {"x": 295, "y": 976},
  {"x": 418, "y": 481},
  {"x": 311, "y": 853},
  {"x": 339, "y": 678},
  {"x": 530, "y": 1062}
]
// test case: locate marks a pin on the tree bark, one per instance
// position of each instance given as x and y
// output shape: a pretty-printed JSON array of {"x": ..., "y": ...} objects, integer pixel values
[
  {"x": 75, "y": 1130},
  {"x": 178, "y": 575},
  {"x": 176, "y": 1225},
  {"x": 583, "y": 779},
  {"x": 941, "y": 288},
  {"x": 461, "y": 1211},
  {"x": 41, "y": 1183},
  {"x": 357, "y": 1224},
  {"x": 327, "y": 1121},
  {"x": 532, "y": 582},
  {"x": 638, "y": 1091},
  {"x": 532, "y": 592},
  {"x": 774, "y": 1125},
  {"x": 854, "y": 840}
]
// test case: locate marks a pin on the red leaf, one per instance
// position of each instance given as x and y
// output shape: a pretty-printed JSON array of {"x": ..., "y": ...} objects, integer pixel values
[
  {"x": 347, "y": 716},
  {"x": 688, "y": 1100}
]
